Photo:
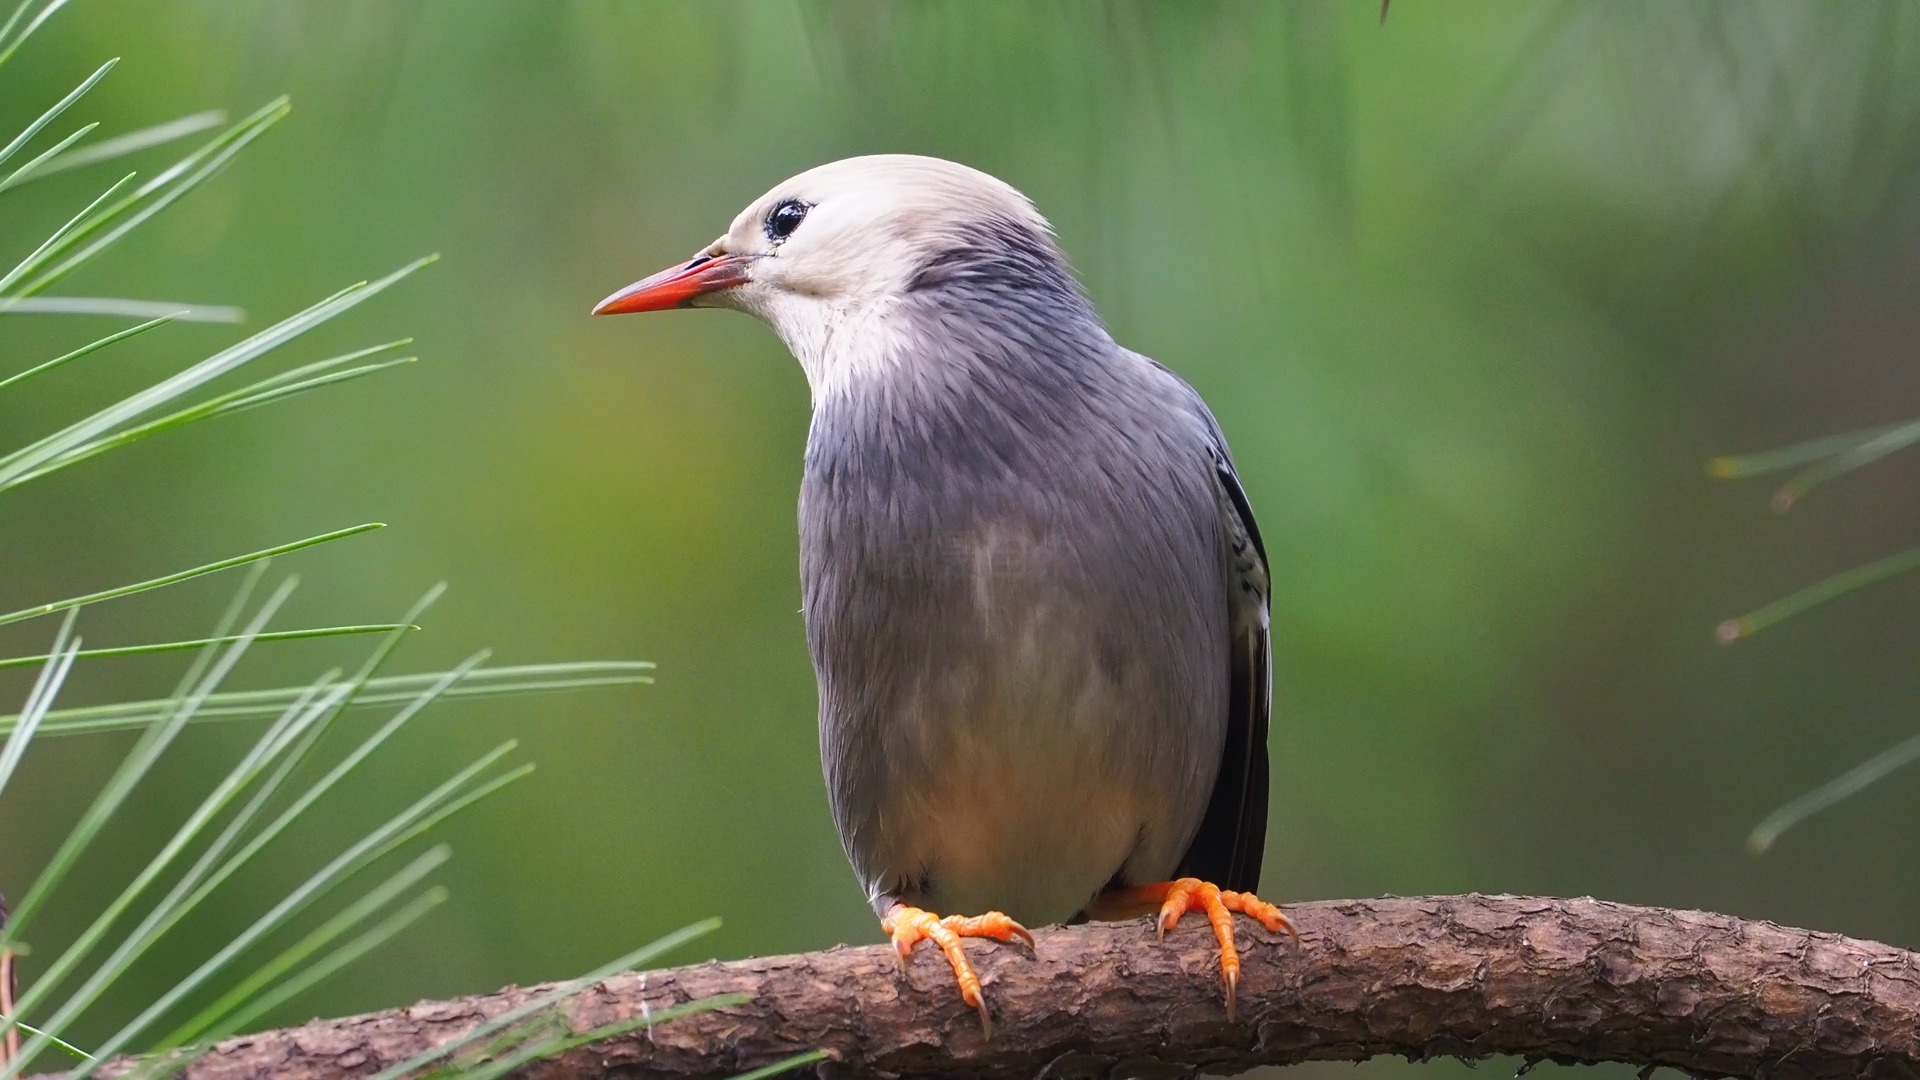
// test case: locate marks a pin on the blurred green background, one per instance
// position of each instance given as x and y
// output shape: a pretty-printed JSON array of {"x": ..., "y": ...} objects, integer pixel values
[{"x": 1474, "y": 293}]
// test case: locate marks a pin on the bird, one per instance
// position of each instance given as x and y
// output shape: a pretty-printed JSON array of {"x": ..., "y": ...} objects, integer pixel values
[{"x": 1034, "y": 594}]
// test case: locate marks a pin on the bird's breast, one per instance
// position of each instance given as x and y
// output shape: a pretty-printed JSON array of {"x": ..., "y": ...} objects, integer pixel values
[{"x": 1006, "y": 721}]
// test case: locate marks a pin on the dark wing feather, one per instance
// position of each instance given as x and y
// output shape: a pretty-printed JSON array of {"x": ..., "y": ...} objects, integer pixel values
[{"x": 1233, "y": 834}]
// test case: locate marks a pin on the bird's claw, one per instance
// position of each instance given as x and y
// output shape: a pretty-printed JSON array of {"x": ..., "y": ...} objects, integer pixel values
[
  {"x": 1182, "y": 895},
  {"x": 908, "y": 926}
]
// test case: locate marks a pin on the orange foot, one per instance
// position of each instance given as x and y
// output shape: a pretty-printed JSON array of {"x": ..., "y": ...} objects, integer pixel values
[
  {"x": 1178, "y": 897},
  {"x": 909, "y": 925}
]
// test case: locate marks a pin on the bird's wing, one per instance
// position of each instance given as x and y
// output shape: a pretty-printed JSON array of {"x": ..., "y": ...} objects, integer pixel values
[{"x": 1233, "y": 833}]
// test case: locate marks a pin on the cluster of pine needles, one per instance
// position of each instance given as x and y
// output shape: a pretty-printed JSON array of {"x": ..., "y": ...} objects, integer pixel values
[
  {"x": 249, "y": 809},
  {"x": 1808, "y": 466}
]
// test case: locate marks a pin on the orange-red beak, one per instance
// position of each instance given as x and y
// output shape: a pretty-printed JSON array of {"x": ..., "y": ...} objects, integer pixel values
[{"x": 678, "y": 286}]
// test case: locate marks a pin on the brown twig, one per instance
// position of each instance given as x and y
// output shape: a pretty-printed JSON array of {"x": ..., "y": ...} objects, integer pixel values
[
  {"x": 1466, "y": 976},
  {"x": 10, "y": 1045}
]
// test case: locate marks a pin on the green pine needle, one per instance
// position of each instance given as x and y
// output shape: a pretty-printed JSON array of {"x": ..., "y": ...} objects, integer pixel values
[
  {"x": 56, "y": 1042},
  {"x": 291, "y": 737},
  {"x": 1840, "y": 788},
  {"x": 61, "y": 236},
  {"x": 10, "y": 42},
  {"x": 246, "y": 994},
  {"x": 84, "y": 350},
  {"x": 1898, "y": 437},
  {"x": 13, "y": 21},
  {"x": 76, "y": 436},
  {"x": 165, "y": 188},
  {"x": 122, "y": 307},
  {"x": 185, "y": 575},
  {"x": 273, "y": 388},
  {"x": 181, "y": 646},
  {"x": 1829, "y": 457},
  {"x": 43, "y": 159},
  {"x": 388, "y": 690},
  {"x": 525, "y": 1055},
  {"x": 454, "y": 794},
  {"x": 27, "y": 133},
  {"x": 540, "y": 1003},
  {"x": 340, "y": 958},
  {"x": 40, "y": 698},
  {"x": 1743, "y": 466},
  {"x": 115, "y": 147},
  {"x": 1733, "y": 630},
  {"x": 133, "y": 770}
]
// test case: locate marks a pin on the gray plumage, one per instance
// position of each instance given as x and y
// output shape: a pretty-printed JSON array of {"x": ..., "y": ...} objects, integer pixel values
[
  {"x": 1036, "y": 605},
  {"x": 1034, "y": 593}
]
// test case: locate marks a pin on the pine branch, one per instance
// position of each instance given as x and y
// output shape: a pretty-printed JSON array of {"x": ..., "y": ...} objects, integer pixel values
[{"x": 1468, "y": 976}]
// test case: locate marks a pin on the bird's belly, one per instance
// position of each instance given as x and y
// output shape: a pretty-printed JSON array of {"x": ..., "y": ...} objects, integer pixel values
[
  {"x": 993, "y": 833},
  {"x": 1037, "y": 851},
  {"x": 1023, "y": 783}
]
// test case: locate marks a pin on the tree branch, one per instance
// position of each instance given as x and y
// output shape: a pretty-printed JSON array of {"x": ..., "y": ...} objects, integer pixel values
[{"x": 1468, "y": 976}]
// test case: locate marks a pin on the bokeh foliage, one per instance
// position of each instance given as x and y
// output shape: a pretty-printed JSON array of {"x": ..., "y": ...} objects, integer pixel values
[
  {"x": 244, "y": 812},
  {"x": 1474, "y": 294}
]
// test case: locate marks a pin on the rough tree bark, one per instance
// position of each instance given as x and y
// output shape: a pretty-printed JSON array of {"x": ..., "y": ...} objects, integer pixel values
[{"x": 1467, "y": 976}]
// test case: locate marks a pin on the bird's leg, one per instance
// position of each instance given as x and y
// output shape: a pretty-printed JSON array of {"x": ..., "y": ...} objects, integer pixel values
[
  {"x": 909, "y": 925},
  {"x": 1176, "y": 898}
]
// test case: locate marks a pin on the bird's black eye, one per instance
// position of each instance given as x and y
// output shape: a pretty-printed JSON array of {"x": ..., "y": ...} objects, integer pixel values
[{"x": 786, "y": 217}]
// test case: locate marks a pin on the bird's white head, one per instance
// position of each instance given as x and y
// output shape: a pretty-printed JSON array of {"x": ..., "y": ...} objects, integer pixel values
[{"x": 835, "y": 248}]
